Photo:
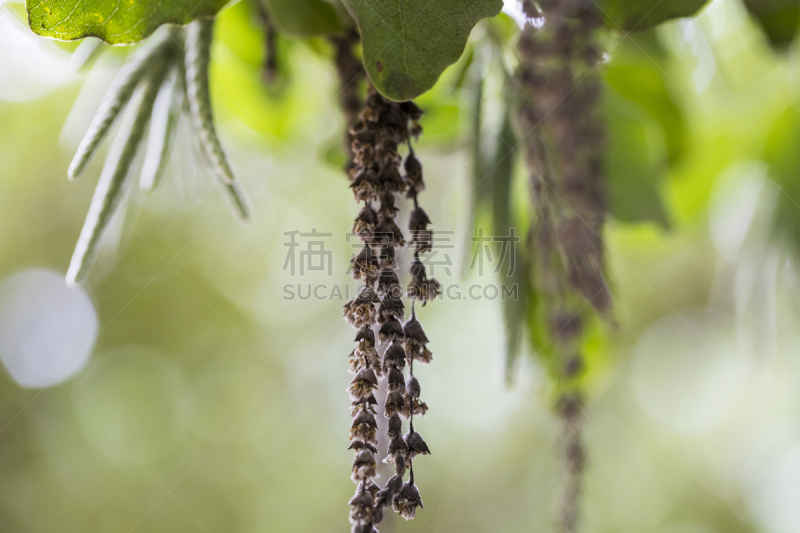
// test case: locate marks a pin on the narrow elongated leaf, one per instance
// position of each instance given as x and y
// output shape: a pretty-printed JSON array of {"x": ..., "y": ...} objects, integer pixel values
[
  {"x": 238, "y": 200},
  {"x": 198, "y": 53},
  {"x": 166, "y": 113},
  {"x": 409, "y": 43},
  {"x": 108, "y": 192},
  {"x": 778, "y": 18},
  {"x": 629, "y": 15},
  {"x": 118, "y": 94},
  {"x": 513, "y": 274},
  {"x": 113, "y": 21},
  {"x": 304, "y": 18}
]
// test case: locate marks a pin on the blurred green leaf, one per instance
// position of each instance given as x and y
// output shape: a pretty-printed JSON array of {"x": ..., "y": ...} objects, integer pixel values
[
  {"x": 629, "y": 15},
  {"x": 632, "y": 170},
  {"x": 646, "y": 129},
  {"x": 634, "y": 74},
  {"x": 304, "y": 18},
  {"x": 75, "y": 19},
  {"x": 781, "y": 154},
  {"x": 513, "y": 274},
  {"x": 778, "y": 18},
  {"x": 408, "y": 45}
]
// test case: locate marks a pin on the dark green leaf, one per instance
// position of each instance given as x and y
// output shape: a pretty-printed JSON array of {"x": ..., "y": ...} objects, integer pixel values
[
  {"x": 634, "y": 75},
  {"x": 779, "y": 19},
  {"x": 304, "y": 18},
  {"x": 633, "y": 170},
  {"x": 629, "y": 15},
  {"x": 646, "y": 129},
  {"x": 112, "y": 21},
  {"x": 409, "y": 43}
]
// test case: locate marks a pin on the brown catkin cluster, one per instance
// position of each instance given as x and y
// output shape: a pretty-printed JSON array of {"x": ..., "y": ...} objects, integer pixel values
[
  {"x": 375, "y": 178},
  {"x": 559, "y": 92},
  {"x": 350, "y": 72}
]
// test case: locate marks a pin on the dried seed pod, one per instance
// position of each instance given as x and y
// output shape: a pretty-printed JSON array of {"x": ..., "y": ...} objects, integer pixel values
[
  {"x": 364, "y": 224},
  {"x": 424, "y": 355},
  {"x": 388, "y": 283},
  {"x": 364, "y": 466},
  {"x": 395, "y": 357},
  {"x": 407, "y": 501},
  {"x": 391, "y": 331},
  {"x": 361, "y": 311},
  {"x": 395, "y": 403},
  {"x": 388, "y": 209},
  {"x": 363, "y": 384},
  {"x": 421, "y": 287},
  {"x": 391, "y": 307},
  {"x": 396, "y": 379},
  {"x": 397, "y": 454},
  {"x": 365, "y": 266},
  {"x": 413, "y": 331},
  {"x": 395, "y": 425},
  {"x": 413, "y": 176},
  {"x": 413, "y": 388},
  {"x": 362, "y": 515},
  {"x": 386, "y": 258},
  {"x": 416, "y": 444},
  {"x": 365, "y": 185},
  {"x": 365, "y": 336}
]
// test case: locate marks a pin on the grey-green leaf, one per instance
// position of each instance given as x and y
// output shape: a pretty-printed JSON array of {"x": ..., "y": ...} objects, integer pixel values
[
  {"x": 198, "y": 53},
  {"x": 238, "y": 200},
  {"x": 117, "y": 96},
  {"x": 408, "y": 43},
  {"x": 166, "y": 114},
  {"x": 113, "y": 21},
  {"x": 513, "y": 274},
  {"x": 108, "y": 193}
]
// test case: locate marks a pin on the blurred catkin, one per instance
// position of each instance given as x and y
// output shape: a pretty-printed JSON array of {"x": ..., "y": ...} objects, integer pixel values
[{"x": 559, "y": 89}]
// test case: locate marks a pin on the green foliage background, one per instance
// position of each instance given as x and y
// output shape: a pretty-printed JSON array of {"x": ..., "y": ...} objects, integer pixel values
[{"x": 211, "y": 403}]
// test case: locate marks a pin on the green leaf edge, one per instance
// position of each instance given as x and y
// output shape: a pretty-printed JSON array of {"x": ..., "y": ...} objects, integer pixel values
[{"x": 42, "y": 31}]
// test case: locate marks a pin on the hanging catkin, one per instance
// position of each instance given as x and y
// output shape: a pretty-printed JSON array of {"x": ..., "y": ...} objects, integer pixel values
[
  {"x": 559, "y": 92},
  {"x": 376, "y": 178}
]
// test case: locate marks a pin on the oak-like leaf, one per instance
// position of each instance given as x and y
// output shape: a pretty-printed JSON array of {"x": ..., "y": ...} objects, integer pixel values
[{"x": 408, "y": 43}]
